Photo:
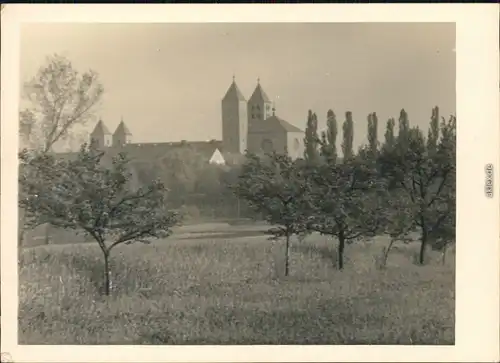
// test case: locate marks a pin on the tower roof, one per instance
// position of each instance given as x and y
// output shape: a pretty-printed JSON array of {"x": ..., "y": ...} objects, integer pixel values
[
  {"x": 259, "y": 95},
  {"x": 234, "y": 92},
  {"x": 100, "y": 128},
  {"x": 122, "y": 129}
]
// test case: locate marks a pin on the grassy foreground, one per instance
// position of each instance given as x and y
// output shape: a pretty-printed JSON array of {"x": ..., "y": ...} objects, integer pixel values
[{"x": 228, "y": 291}]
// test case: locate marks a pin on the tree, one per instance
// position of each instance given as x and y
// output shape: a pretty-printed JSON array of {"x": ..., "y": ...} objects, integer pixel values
[
  {"x": 311, "y": 140},
  {"x": 433, "y": 133},
  {"x": 346, "y": 201},
  {"x": 427, "y": 179},
  {"x": 389, "y": 134},
  {"x": 274, "y": 186},
  {"x": 329, "y": 138},
  {"x": 373, "y": 134},
  {"x": 404, "y": 129},
  {"x": 399, "y": 223},
  {"x": 180, "y": 169},
  {"x": 82, "y": 194},
  {"x": 60, "y": 99},
  {"x": 348, "y": 136},
  {"x": 444, "y": 233}
]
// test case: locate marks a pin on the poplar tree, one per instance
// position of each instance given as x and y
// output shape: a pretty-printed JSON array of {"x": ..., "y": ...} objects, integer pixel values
[
  {"x": 373, "y": 134},
  {"x": 404, "y": 129},
  {"x": 348, "y": 136},
  {"x": 311, "y": 139},
  {"x": 389, "y": 133},
  {"x": 433, "y": 133},
  {"x": 329, "y": 137}
]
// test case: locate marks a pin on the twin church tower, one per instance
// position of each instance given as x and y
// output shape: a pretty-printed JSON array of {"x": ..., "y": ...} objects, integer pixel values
[{"x": 253, "y": 125}]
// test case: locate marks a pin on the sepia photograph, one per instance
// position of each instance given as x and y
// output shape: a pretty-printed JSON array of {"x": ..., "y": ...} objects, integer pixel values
[
  {"x": 301, "y": 190},
  {"x": 238, "y": 184}
]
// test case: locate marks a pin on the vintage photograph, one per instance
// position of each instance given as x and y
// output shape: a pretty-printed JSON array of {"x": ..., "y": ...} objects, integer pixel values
[{"x": 237, "y": 184}]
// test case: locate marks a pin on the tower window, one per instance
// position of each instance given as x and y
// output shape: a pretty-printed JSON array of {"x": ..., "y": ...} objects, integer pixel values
[{"x": 258, "y": 107}]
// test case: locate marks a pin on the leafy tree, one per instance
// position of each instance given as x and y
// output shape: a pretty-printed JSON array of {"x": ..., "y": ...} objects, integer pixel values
[
  {"x": 390, "y": 139},
  {"x": 82, "y": 194},
  {"x": 373, "y": 134},
  {"x": 433, "y": 133},
  {"x": 346, "y": 201},
  {"x": 60, "y": 99},
  {"x": 348, "y": 136},
  {"x": 399, "y": 223},
  {"x": 181, "y": 168},
  {"x": 311, "y": 140},
  {"x": 275, "y": 187},
  {"x": 444, "y": 232},
  {"x": 428, "y": 181},
  {"x": 404, "y": 129},
  {"x": 329, "y": 138}
]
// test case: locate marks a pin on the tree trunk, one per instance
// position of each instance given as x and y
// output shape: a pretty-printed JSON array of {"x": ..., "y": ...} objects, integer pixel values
[
  {"x": 386, "y": 252},
  {"x": 423, "y": 245},
  {"x": 287, "y": 253},
  {"x": 340, "y": 252},
  {"x": 107, "y": 274}
]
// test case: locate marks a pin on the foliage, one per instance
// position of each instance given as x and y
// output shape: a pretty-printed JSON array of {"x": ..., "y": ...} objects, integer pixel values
[
  {"x": 311, "y": 139},
  {"x": 348, "y": 136},
  {"x": 179, "y": 169},
  {"x": 433, "y": 133},
  {"x": 404, "y": 128},
  {"x": 427, "y": 178},
  {"x": 60, "y": 99},
  {"x": 346, "y": 200},
  {"x": 274, "y": 187},
  {"x": 328, "y": 143},
  {"x": 390, "y": 139},
  {"x": 85, "y": 195},
  {"x": 373, "y": 134},
  {"x": 329, "y": 137}
]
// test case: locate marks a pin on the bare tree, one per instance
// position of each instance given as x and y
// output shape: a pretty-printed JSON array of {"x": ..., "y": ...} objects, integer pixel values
[{"x": 59, "y": 99}]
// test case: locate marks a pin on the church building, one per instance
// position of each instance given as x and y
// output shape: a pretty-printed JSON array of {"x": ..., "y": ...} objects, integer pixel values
[
  {"x": 253, "y": 125},
  {"x": 246, "y": 125}
]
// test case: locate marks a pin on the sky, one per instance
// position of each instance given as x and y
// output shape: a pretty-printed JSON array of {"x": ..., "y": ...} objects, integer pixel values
[{"x": 167, "y": 80}]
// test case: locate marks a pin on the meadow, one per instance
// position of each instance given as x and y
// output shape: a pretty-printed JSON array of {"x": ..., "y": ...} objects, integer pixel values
[{"x": 225, "y": 286}]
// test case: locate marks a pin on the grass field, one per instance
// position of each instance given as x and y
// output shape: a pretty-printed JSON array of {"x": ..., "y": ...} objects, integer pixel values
[{"x": 229, "y": 290}]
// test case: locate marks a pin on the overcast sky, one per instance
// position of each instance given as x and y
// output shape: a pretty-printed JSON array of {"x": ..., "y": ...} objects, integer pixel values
[{"x": 167, "y": 80}]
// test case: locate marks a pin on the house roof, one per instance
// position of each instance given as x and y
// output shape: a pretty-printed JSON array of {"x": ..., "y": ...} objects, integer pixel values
[
  {"x": 100, "y": 128},
  {"x": 259, "y": 95},
  {"x": 234, "y": 92},
  {"x": 122, "y": 129},
  {"x": 288, "y": 127}
]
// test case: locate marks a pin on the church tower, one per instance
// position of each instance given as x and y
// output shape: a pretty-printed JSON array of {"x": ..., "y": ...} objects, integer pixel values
[
  {"x": 259, "y": 105},
  {"x": 122, "y": 135},
  {"x": 101, "y": 137},
  {"x": 234, "y": 120}
]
